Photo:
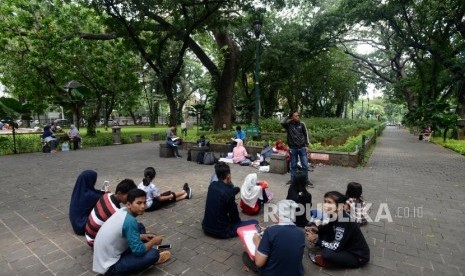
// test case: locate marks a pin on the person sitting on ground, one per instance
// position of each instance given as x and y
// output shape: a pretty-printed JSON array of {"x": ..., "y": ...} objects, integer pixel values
[
  {"x": 157, "y": 200},
  {"x": 173, "y": 141},
  {"x": 83, "y": 200},
  {"x": 253, "y": 195},
  {"x": 119, "y": 248},
  {"x": 281, "y": 249},
  {"x": 107, "y": 205},
  {"x": 49, "y": 137},
  {"x": 221, "y": 218},
  {"x": 239, "y": 134},
  {"x": 239, "y": 152},
  {"x": 356, "y": 205},
  {"x": 341, "y": 240},
  {"x": 298, "y": 193},
  {"x": 74, "y": 136}
]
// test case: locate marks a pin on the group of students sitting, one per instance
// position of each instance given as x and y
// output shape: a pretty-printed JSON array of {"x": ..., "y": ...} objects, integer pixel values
[
  {"x": 121, "y": 245},
  {"x": 336, "y": 241}
]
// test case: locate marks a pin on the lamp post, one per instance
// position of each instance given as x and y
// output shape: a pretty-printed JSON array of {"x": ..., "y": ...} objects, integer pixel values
[
  {"x": 325, "y": 78},
  {"x": 257, "y": 28}
]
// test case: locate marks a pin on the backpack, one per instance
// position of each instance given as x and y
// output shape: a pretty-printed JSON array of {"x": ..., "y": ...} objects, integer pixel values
[
  {"x": 200, "y": 157},
  {"x": 209, "y": 158}
]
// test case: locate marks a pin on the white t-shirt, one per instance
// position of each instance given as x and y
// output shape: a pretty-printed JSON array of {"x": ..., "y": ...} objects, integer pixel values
[{"x": 152, "y": 192}]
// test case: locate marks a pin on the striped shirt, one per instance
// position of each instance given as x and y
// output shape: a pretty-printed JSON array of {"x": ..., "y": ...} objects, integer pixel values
[{"x": 105, "y": 207}]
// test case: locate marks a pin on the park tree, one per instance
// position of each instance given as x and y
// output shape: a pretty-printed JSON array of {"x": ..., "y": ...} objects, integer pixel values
[
  {"x": 42, "y": 50},
  {"x": 419, "y": 50},
  {"x": 161, "y": 31}
]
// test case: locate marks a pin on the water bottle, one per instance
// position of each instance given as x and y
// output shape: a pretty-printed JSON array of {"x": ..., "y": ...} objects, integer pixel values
[{"x": 106, "y": 183}]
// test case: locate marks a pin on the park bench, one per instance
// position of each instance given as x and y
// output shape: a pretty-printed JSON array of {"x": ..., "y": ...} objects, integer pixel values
[{"x": 427, "y": 136}]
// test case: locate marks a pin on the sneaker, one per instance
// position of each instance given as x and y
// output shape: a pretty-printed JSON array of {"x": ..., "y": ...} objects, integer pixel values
[
  {"x": 178, "y": 156},
  {"x": 189, "y": 192},
  {"x": 185, "y": 187},
  {"x": 164, "y": 257},
  {"x": 289, "y": 182}
]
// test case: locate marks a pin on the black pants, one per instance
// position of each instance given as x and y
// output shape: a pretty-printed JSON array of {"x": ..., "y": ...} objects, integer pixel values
[
  {"x": 76, "y": 143},
  {"x": 342, "y": 258}
]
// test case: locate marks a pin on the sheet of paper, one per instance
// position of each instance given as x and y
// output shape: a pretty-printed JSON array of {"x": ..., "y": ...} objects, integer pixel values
[{"x": 248, "y": 238}]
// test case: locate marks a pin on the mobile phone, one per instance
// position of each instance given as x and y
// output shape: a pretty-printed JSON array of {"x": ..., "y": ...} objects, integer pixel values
[{"x": 163, "y": 246}]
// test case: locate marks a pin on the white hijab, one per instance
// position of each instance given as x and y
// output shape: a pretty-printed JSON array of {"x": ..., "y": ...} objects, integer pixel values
[
  {"x": 250, "y": 191},
  {"x": 286, "y": 211}
]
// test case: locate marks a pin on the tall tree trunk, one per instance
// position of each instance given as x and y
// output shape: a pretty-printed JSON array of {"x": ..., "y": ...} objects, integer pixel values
[
  {"x": 461, "y": 99},
  {"x": 223, "y": 110}
]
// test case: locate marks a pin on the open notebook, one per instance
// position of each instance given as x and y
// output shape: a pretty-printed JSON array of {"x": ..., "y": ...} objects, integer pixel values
[{"x": 246, "y": 234}]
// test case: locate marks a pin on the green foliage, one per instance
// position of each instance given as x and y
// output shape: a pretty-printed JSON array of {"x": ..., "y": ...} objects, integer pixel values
[
  {"x": 24, "y": 143},
  {"x": 455, "y": 145}
]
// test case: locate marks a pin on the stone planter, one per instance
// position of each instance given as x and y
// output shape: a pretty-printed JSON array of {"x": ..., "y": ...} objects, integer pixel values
[
  {"x": 137, "y": 138},
  {"x": 155, "y": 137}
]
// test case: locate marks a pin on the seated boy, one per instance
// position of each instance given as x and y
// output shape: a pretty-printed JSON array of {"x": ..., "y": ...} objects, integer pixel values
[
  {"x": 119, "y": 248},
  {"x": 107, "y": 205},
  {"x": 221, "y": 218}
]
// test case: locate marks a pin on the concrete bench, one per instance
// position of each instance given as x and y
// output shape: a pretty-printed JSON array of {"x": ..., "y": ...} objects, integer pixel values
[
  {"x": 278, "y": 164},
  {"x": 195, "y": 150},
  {"x": 166, "y": 151}
]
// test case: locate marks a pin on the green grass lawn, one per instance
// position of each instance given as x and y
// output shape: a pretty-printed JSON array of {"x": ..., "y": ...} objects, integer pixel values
[{"x": 455, "y": 145}]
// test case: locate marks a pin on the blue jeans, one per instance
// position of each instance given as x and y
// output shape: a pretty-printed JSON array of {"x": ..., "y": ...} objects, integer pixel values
[
  {"x": 174, "y": 147},
  {"x": 129, "y": 263},
  {"x": 302, "y": 154}
]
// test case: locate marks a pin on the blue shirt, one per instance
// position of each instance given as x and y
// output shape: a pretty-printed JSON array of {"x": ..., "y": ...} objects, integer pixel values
[
  {"x": 283, "y": 245},
  {"x": 240, "y": 135}
]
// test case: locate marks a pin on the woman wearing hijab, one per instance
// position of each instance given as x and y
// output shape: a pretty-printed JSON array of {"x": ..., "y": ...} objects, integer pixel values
[
  {"x": 298, "y": 193},
  {"x": 281, "y": 248},
  {"x": 49, "y": 137},
  {"x": 83, "y": 200},
  {"x": 239, "y": 152},
  {"x": 253, "y": 195}
]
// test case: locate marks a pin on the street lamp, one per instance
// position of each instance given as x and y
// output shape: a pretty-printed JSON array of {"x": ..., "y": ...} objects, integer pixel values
[
  {"x": 325, "y": 78},
  {"x": 257, "y": 29}
]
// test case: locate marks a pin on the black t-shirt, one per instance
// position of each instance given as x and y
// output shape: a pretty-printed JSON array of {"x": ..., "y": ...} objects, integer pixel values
[
  {"x": 301, "y": 198},
  {"x": 284, "y": 247},
  {"x": 344, "y": 236}
]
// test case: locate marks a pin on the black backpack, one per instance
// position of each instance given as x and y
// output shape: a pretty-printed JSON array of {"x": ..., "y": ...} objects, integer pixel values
[{"x": 189, "y": 155}]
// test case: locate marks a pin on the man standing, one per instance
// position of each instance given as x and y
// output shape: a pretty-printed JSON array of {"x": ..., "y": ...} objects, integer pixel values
[
  {"x": 297, "y": 139},
  {"x": 119, "y": 248}
]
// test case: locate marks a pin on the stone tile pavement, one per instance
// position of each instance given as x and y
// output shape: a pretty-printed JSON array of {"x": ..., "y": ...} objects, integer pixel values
[{"x": 421, "y": 185}]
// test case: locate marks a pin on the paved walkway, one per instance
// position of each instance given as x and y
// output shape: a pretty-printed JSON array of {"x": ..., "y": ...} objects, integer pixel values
[{"x": 422, "y": 184}]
